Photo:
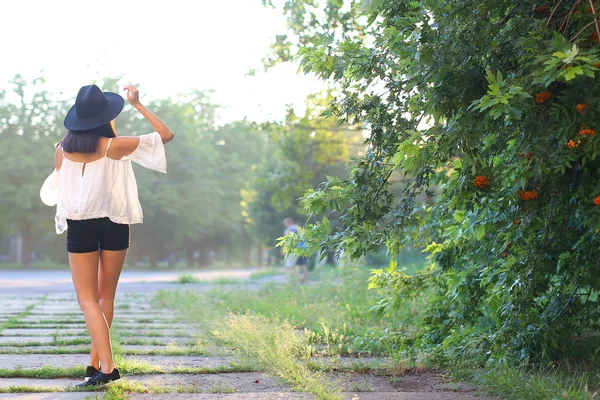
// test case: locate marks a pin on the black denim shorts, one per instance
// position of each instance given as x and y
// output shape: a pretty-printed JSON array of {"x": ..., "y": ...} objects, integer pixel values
[{"x": 90, "y": 235}]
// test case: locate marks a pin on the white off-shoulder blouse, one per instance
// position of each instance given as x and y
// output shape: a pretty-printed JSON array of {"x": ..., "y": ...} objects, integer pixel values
[{"x": 105, "y": 188}]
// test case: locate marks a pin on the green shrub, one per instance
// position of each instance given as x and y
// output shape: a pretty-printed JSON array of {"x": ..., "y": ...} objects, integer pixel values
[{"x": 487, "y": 117}]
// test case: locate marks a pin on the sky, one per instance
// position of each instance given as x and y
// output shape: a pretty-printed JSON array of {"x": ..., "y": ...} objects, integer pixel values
[{"x": 169, "y": 47}]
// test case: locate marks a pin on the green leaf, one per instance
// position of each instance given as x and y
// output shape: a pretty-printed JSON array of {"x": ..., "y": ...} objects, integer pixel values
[{"x": 479, "y": 232}]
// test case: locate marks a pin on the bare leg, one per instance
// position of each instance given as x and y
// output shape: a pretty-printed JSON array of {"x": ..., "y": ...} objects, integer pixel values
[
  {"x": 84, "y": 271},
  {"x": 109, "y": 270},
  {"x": 304, "y": 273}
]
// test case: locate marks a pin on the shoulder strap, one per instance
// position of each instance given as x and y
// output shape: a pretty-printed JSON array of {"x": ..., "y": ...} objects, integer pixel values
[{"x": 108, "y": 147}]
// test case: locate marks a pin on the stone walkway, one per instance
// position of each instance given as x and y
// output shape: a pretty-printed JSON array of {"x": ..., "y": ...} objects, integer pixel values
[{"x": 44, "y": 346}]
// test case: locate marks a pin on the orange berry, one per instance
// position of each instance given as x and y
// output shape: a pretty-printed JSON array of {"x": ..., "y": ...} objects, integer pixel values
[
  {"x": 528, "y": 195},
  {"x": 481, "y": 182},
  {"x": 597, "y": 65},
  {"x": 589, "y": 132},
  {"x": 573, "y": 143},
  {"x": 542, "y": 97},
  {"x": 582, "y": 108},
  {"x": 516, "y": 222},
  {"x": 597, "y": 201}
]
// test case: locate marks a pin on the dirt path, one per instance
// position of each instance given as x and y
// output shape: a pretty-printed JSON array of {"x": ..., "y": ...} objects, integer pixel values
[{"x": 162, "y": 357}]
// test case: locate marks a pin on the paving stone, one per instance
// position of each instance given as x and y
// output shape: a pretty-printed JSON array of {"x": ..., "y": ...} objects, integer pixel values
[
  {"x": 9, "y": 315},
  {"x": 56, "y": 313},
  {"x": 304, "y": 396},
  {"x": 163, "y": 317},
  {"x": 240, "y": 381},
  {"x": 219, "y": 396},
  {"x": 36, "y": 361},
  {"x": 154, "y": 333},
  {"x": 44, "y": 332},
  {"x": 150, "y": 326},
  {"x": 159, "y": 340},
  {"x": 4, "y": 340},
  {"x": 72, "y": 349},
  {"x": 52, "y": 326},
  {"x": 138, "y": 348},
  {"x": 45, "y": 383},
  {"x": 51, "y": 396},
  {"x": 43, "y": 319}
]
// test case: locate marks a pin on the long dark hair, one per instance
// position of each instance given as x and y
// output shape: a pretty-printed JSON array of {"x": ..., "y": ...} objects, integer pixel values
[{"x": 86, "y": 141}]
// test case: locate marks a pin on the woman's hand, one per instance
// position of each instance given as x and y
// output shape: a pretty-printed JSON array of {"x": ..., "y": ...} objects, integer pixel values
[{"x": 132, "y": 95}]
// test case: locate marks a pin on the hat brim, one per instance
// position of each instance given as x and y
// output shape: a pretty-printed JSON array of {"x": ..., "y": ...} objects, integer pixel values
[{"x": 114, "y": 108}]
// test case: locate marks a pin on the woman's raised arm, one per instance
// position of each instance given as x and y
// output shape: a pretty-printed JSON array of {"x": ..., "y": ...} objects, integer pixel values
[{"x": 134, "y": 99}]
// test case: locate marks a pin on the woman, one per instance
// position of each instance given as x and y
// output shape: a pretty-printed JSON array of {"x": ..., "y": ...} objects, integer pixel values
[{"x": 94, "y": 189}]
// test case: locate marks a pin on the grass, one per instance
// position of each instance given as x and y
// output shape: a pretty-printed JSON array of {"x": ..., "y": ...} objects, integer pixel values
[
  {"x": 114, "y": 391},
  {"x": 361, "y": 386},
  {"x": 55, "y": 342},
  {"x": 516, "y": 384},
  {"x": 221, "y": 388},
  {"x": 335, "y": 311},
  {"x": 276, "y": 346},
  {"x": 126, "y": 367},
  {"x": 265, "y": 273},
  {"x": 335, "y": 317},
  {"x": 164, "y": 351},
  {"x": 45, "y": 372},
  {"x": 188, "y": 278},
  {"x": 15, "y": 319}
]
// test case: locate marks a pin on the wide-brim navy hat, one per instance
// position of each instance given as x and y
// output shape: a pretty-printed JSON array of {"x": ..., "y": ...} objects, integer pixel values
[{"x": 93, "y": 108}]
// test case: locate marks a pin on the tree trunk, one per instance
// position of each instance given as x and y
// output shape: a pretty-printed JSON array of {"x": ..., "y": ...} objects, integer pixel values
[
  {"x": 259, "y": 256},
  {"x": 153, "y": 257},
  {"x": 189, "y": 256},
  {"x": 204, "y": 259},
  {"x": 26, "y": 244},
  {"x": 27, "y": 247}
]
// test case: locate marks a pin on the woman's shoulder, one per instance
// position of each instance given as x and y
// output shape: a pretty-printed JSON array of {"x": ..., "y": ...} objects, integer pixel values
[{"x": 123, "y": 146}]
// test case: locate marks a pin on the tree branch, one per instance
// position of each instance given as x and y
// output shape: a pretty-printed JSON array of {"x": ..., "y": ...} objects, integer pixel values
[
  {"x": 567, "y": 304},
  {"x": 507, "y": 17},
  {"x": 595, "y": 17},
  {"x": 553, "y": 11},
  {"x": 583, "y": 29}
]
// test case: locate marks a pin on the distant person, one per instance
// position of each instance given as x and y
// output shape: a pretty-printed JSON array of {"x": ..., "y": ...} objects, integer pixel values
[
  {"x": 94, "y": 189},
  {"x": 291, "y": 260}
]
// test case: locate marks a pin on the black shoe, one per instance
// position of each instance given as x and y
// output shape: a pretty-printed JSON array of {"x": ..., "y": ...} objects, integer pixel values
[
  {"x": 89, "y": 372},
  {"x": 100, "y": 378}
]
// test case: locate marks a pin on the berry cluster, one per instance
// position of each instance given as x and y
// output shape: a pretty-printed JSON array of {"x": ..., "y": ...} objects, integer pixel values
[
  {"x": 542, "y": 97},
  {"x": 481, "y": 182},
  {"x": 528, "y": 195}
]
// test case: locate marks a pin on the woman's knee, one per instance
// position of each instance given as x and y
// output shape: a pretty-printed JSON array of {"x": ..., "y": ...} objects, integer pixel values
[
  {"x": 106, "y": 300},
  {"x": 86, "y": 303}
]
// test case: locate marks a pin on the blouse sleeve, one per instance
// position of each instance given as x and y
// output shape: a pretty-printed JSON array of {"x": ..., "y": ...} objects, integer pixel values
[
  {"x": 49, "y": 190},
  {"x": 150, "y": 153}
]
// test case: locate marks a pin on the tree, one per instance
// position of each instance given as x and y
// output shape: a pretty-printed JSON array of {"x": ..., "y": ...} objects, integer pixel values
[
  {"x": 302, "y": 152},
  {"x": 491, "y": 109},
  {"x": 30, "y": 121}
]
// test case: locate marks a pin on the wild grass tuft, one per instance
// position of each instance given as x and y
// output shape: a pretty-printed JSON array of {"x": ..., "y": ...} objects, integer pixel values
[
  {"x": 45, "y": 372},
  {"x": 361, "y": 386},
  {"x": 277, "y": 346},
  {"x": 221, "y": 388},
  {"x": 187, "y": 278},
  {"x": 516, "y": 384},
  {"x": 265, "y": 273}
]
